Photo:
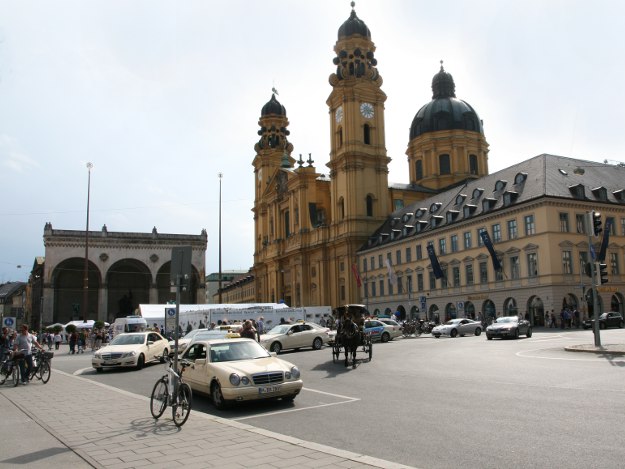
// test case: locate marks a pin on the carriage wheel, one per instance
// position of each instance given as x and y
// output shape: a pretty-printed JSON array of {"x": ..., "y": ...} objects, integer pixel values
[
  {"x": 370, "y": 349},
  {"x": 336, "y": 351}
]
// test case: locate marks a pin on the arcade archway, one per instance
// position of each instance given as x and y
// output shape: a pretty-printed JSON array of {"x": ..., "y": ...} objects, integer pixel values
[{"x": 68, "y": 285}]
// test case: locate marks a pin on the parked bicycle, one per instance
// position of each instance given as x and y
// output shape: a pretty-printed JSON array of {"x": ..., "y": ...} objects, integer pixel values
[
  {"x": 9, "y": 368},
  {"x": 170, "y": 390},
  {"x": 42, "y": 368}
]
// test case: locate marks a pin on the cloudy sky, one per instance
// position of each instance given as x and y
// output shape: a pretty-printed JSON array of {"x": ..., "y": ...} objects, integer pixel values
[{"x": 162, "y": 95}]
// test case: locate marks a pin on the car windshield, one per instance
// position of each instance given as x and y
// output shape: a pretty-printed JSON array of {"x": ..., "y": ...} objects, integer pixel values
[
  {"x": 452, "y": 322},
  {"x": 193, "y": 333},
  {"x": 508, "y": 319},
  {"x": 281, "y": 329},
  {"x": 130, "y": 339},
  {"x": 233, "y": 351}
]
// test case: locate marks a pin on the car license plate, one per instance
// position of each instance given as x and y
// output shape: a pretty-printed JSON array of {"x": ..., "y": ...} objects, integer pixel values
[{"x": 268, "y": 389}]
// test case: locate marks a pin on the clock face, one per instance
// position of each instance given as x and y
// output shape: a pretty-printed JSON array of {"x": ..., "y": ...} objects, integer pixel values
[
  {"x": 366, "y": 109},
  {"x": 338, "y": 115}
]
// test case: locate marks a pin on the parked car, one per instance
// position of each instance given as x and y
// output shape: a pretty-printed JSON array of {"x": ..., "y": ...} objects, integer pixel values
[
  {"x": 132, "y": 349},
  {"x": 201, "y": 334},
  {"x": 606, "y": 320},
  {"x": 232, "y": 370},
  {"x": 509, "y": 326},
  {"x": 458, "y": 327},
  {"x": 394, "y": 328},
  {"x": 294, "y": 336},
  {"x": 380, "y": 331},
  {"x": 183, "y": 342}
]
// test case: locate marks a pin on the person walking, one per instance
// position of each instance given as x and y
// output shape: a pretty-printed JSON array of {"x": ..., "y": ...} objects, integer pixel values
[
  {"x": 248, "y": 330},
  {"x": 24, "y": 344},
  {"x": 57, "y": 340}
]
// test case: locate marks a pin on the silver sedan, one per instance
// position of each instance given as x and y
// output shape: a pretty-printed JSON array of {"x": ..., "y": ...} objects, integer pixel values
[{"x": 458, "y": 327}]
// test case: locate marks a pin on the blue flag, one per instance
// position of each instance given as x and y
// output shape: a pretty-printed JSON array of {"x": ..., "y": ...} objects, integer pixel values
[
  {"x": 489, "y": 245},
  {"x": 436, "y": 267}
]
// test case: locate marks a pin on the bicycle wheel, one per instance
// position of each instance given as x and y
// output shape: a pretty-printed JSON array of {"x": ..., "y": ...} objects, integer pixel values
[
  {"x": 15, "y": 374},
  {"x": 181, "y": 407},
  {"x": 158, "y": 400},
  {"x": 44, "y": 371}
]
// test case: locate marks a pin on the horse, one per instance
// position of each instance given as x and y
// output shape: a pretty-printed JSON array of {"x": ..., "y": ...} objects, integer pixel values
[{"x": 350, "y": 339}]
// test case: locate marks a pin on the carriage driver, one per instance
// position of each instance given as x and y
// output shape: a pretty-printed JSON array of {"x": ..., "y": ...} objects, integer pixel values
[{"x": 24, "y": 343}]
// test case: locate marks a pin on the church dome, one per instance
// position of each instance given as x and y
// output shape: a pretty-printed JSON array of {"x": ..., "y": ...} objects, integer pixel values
[
  {"x": 273, "y": 107},
  {"x": 354, "y": 25},
  {"x": 445, "y": 111}
]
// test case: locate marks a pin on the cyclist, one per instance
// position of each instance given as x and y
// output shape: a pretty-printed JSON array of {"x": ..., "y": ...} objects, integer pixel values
[
  {"x": 24, "y": 343},
  {"x": 5, "y": 343}
]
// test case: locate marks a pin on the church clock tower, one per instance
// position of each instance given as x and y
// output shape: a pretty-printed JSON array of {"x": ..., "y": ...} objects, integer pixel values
[{"x": 358, "y": 162}]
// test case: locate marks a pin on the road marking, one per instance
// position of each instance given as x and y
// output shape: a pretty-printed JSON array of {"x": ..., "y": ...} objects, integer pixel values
[{"x": 266, "y": 414}]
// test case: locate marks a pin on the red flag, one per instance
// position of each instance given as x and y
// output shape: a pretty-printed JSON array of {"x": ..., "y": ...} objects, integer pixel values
[{"x": 356, "y": 275}]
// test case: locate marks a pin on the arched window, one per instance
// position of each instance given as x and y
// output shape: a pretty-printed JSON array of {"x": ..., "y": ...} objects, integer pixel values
[
  {"x": 419, "y": 169},
  {"x": 367, "y": 134},
  {"x": 369, "y": 202},
  {"x": 444, "y": 164},
  {"x": 473, "y": 164},
  {"x": 340, "y": 138}
]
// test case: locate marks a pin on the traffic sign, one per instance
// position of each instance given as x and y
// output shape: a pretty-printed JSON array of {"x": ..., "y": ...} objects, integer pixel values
[{"x": 8, "y": 322}]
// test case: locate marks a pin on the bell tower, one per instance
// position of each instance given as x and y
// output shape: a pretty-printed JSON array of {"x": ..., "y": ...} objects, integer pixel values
[{"x": 358, "y": 161}]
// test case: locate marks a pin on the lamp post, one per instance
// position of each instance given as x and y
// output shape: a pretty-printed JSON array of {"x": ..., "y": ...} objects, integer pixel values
[
  {"x": 220, "y": 176},
  {"x": 85, "y": 293}
]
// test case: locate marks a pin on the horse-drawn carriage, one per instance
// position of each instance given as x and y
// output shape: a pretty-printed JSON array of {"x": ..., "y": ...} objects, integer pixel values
[{"x": 350, "y": 333}]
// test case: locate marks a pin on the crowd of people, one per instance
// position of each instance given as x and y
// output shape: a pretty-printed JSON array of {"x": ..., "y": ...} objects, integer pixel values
[{"x": 21, "y": 344}]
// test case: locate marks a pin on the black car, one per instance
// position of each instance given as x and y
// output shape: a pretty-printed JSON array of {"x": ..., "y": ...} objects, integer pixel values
[
  {"x": 610, "y": 319},
  {"x": 509, "y": 326}
]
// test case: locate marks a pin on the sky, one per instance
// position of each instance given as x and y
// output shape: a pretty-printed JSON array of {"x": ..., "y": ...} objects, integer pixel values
[{"x": 163, "y": 95}]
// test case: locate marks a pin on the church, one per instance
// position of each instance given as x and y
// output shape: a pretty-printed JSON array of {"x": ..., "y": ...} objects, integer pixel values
[{"x": 344, "y": 235}]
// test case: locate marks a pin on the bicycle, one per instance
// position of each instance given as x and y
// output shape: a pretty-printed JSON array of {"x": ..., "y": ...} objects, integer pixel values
[
  {"x": 42, "y": 368},
  {"x": 9, "y": 367},
  {"x": 171, "y": 390}
]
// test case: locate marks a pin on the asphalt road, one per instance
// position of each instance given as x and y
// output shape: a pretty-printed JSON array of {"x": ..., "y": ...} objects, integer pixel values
[{"x": 444, "y": 403}]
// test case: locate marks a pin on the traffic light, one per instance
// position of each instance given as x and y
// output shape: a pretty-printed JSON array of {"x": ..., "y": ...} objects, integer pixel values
[
  {"x": 596, "y": 223},
  {"x": 602, "y": 273}
]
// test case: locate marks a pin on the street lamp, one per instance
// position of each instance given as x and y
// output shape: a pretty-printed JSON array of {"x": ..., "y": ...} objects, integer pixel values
[
  {"x": 220, "y": 176},
  {"x": 85, "y": 297}
]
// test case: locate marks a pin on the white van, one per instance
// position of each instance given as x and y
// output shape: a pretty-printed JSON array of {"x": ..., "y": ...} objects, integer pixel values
[{"x": 129, "y": 324}]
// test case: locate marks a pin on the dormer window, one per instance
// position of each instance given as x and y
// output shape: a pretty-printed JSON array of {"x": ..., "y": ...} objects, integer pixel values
[
  {"x": 477, "y": 193},
  {"x": 436, "y": 220},
  {"x": 434, "y": 207},
  {"x": 500, "y": 185},
  {"x": 395, "y": 234},
  {"x": 578, "y": 191},
  {"x": 420, "y": 212},
  {"x": 452, "y": 215},
  {"x": 469, "y": 210},
  {"x": 394, "y": 221},
  {"x": 408, "y": 229},
  {"x": 460, "y": 198},
  {"x": 600, "y": 193},
  {"x": 509, "y": 197},
  {"x": 520, "y": 178},
  {"x": 619, "y": 195},
  {"x": 488, "y": 203},
  {"x": 420, "y": 226}
]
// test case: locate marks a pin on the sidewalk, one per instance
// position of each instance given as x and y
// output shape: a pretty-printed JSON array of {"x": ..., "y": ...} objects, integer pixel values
[{"x": 117, "y": 431}]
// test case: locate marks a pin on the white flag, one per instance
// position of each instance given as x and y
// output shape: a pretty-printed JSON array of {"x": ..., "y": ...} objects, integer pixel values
[{"x": 391, "y": 273}]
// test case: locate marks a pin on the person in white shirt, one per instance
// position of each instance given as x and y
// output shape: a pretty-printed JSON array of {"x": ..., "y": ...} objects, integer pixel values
[{"x": 24, "y": 343}]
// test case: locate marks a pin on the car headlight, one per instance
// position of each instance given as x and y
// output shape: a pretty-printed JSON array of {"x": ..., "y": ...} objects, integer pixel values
[
  {"x": 235, "y": 379},
  {"x": 292, "y": 373},
  {"x": 129, "y": 354},
  {"x": 97, "y": 355}
]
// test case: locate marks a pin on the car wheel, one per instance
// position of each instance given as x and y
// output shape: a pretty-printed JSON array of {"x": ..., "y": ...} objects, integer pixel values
[
  {"x": 385, "y": 337},
  {"x": 275, "y": 347},
  {"x": 478, "y": 331},
  {"x": 317, "y": 343},
  {"x": 453, "y": 333},
  {"x": 164, "y": 356},
  {"x": 290, "y": 398},
  {"x": 140, "y": 361},
  {"x": 529, "y": 332},
  {"x": 218, "y": 398},
  {"x": 516, "y": 333},
  {"x": 99, "y": 370},
  {"x": 437, "y": 335},
  {"x": 488, "y": 337}
]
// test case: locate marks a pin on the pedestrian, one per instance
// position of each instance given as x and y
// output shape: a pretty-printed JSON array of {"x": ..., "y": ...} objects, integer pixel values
[
  {"x": 576, "y": 316},
  {"x": 261, "y": 325},
  {"x": 57, "y": 340},
  {"x": 248, "y": 330},
  {"x": 24, "y": 344},
  {"x": 547, "y": 319},
  {"x": 73, "y": 340}
]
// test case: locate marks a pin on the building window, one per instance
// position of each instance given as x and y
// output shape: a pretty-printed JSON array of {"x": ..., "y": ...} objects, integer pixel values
[
  {"x": 390, "y": 287},
  {"x": 369, "y": 203},
  {"x": 468, "y": 270},
  {"x": 373, "y": 288},
  {"x": 442, "y": 246},
  {"x": 622, "y": 226},
  {"x": 380, "y": 263},
  {"x": 432, "y": 281},
  {"x": 512, "y": 229},
  {"x": 454, "y": 243},
  {"x": 409, "y": 283},
  {"x": 473, "y": 164},
  {"x": 419, "y": 169},
  {"x": 381, "y": 287},
  {"x": 408, "y": 255},
  {"x": 366, "y": 285},
  {"x": 372, "y": 262},
  {"x": 341, "y": 209},
  {"x": 580, "y": 222},
  {"x": 567, "y": 267},
  {"x": 515, "y": 268},
  {"x": 496, "y": 233},
  {"x": 419, "y": 282},
  {"x": 343, "y": 292},
  {"x": 483, "y": 273},
  {"x": 480, "y": 242},
  {"x": 499, "y": 273},
  {"x": 444, "y": 165},
  {"x": 532, "y": 265},
  {"x": 367, "y": 134},
  {"x": 612, "y": 225},
  {"x": 364, "y": 264},
  {"x": 614, "y": 270},
  {"x": 530, "y": 227},
  {"x": 419, "y": 253},
  {"x": 456, "y": 275},
  {"x": 287, "y": 224},
  {"x": 467, "y": 240},
  {"x": 564, "y": 222},
  {"x": 444, "y": 279}
]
